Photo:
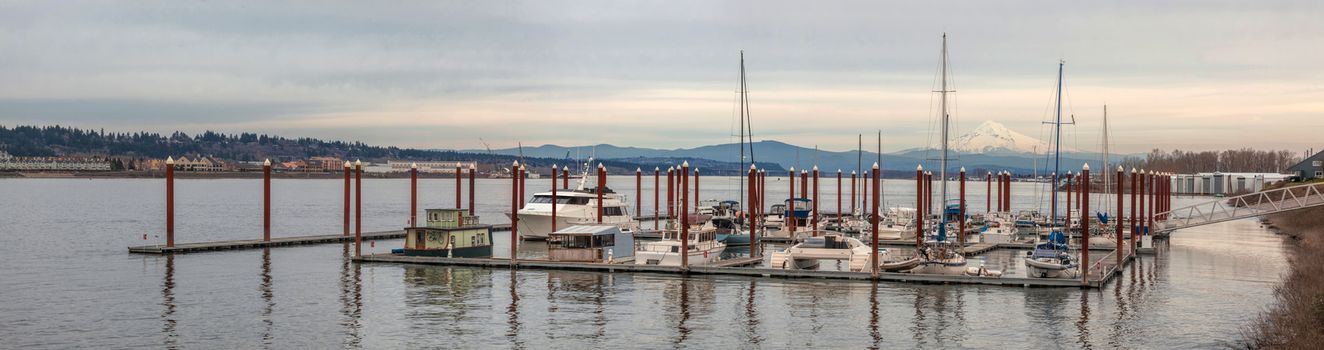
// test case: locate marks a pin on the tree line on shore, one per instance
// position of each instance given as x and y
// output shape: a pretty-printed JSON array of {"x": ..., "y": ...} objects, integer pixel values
[
  {"x": 1243, "y": 160},
  {"x": 57, "y": 140}
]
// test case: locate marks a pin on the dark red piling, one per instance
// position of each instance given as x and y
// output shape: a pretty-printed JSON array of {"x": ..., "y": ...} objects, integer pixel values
[
  {"x": 1117, "y": 217},
  {"x": 684, "y": 216},
  {"x": 873, "y": 221},
  {"x": 919, "y": 207},
  {"x": 170, "y": 202},
  {"x": 1133, "y": 209},
  {"x": 657, "y": 174},
  {"x": 358, "y": 208},
  {"x": 960, "y": 236},
  {"x": 266, "y": 200},
  {"x": 554, "y": 171},
  {"x": 473, "y": 172},
  {"x": 514, "y": 210},
  {"x": 347, "y": 171},
  {"x": 413, "y": 195},
  {"x": 813, "y": 222},
  {"x": 1085, "y": 224}
]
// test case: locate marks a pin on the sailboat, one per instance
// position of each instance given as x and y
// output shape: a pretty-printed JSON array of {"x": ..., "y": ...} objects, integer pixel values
[
  {"x": 940, "y": 254},
  {"x": 737, "y": 235},
  {"x": 1051, "y": 257}
]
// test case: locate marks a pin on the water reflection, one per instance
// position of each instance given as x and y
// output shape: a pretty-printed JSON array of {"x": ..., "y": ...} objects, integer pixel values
[
  {"x": 939, "y": 316},
  {"x": 168, "y": 300},
  {"x": 268, "y": 304},
  {"x": 512, "y": 313},
  {"x": 752, "y": 315},
  {"x": 579, "y": 289},
  {"x": 683, "y": 300},
  {"x": 873, "y": 317},
  {"x": 1082, "y": 324},
  {"x": 351, "y": 298}
]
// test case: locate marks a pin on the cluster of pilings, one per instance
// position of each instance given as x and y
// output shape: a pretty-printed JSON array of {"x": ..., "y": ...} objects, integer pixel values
[{"x": 1150, "y": 194}]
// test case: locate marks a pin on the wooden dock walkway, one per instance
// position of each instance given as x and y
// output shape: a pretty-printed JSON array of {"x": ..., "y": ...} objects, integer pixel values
[
  {"x": 721, "y": 269},
  {"x": 258, "y": 243}
]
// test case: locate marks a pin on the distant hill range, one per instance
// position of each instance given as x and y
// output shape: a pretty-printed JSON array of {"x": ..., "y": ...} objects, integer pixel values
[
  {"x": 47, "y": 141},
  {"x": 991, "y": 146}
]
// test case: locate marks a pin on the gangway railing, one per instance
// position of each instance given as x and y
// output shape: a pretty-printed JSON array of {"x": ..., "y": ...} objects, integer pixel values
[{"x": 1241, "y": 207}]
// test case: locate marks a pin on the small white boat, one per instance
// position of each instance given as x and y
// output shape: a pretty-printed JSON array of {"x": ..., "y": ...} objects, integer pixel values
[
  {"x": 704, "y": 248},
  {"x": 835, "y": 246},
  {"x": 1051, "y": 258}
]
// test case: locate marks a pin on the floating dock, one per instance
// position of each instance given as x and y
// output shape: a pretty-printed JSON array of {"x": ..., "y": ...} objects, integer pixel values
[
  {"x": 732, "y": 268},
  {"x": 258, "y": 243}
]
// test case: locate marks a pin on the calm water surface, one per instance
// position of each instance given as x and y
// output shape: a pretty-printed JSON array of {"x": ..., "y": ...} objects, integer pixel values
[{"x": 68, "y": 282}]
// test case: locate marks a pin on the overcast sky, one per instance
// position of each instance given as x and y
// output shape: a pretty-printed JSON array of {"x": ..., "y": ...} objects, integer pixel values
[{"x": 435, "y": 74}]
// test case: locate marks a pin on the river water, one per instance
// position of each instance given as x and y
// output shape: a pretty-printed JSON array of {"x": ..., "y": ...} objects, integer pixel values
[{"x": 68, "y": 281}]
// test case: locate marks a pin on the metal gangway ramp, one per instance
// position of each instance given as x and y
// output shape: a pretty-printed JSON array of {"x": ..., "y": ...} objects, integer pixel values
[{"x": 1241, "y": 207}]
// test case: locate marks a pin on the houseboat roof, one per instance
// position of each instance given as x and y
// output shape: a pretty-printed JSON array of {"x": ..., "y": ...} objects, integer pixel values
[{"x": 588, "y": 230}]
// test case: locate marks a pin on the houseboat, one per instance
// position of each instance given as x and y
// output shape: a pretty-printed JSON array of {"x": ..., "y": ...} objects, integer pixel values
[
  {"x": 590, "y": 243},
  {"x": 449, "y": 233}
]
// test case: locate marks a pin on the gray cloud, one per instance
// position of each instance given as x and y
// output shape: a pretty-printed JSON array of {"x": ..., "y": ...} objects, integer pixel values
[{"x": 370, "y": 71}]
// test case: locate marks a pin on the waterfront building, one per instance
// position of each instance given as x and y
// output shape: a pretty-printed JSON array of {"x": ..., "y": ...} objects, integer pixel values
[
  {"x": 443, "y": 167},
  {"x": 1310, "y": 168},
  {"x": 11, "y": 163}
]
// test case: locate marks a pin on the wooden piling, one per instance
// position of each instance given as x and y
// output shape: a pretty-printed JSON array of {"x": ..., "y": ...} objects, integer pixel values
[
  {"x": 457, "y": 186},
  {"x": 473, "y": 172},
  {"x": 789, "y": 221},
  {"x": 988, "y": 200},
  {"x": 1085, "y": 224},
  {"x": 684, "y": 215},
  {"x": 919, "y": 207},
  {"x": 266, "y": 200},
  {"x": 852, "y": 192},
  {"x": 839, "y": 208},
  {"x": 638, "y": 191},
  {"x": 514, "y": 211},
  {"x": 1117, "y": 218},
  {"x": 347, "y": 171},
  {"x": 1070, "y": 178},
  {"x": 960, "y": 231},
  {"x": 1143, "y": 214},
  {"x": 671, "y": 193},
  {"x": 413, "y": 194},
  {"x": 750, "y": 213},
  {"x": 873, "y": 222},
  {"x": 696, "y": 188},
  {"x": 1133, "y": 209},
  {"x": 657, "y": 174},
  {"x": 602, "y": 173},
  {"x": 358, "y": 208},
  {"x": 554, "y": 171},
  {"x": 170, "y": 202},
  {"x": 813, "y": 221}
]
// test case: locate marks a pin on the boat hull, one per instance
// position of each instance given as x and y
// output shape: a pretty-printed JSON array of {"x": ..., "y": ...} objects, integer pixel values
[
  {"x": 1038, "y": 268},
  {"x": 467, "y": 252}
]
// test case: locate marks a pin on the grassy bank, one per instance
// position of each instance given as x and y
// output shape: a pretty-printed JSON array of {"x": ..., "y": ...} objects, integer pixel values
[{"x": 1296, "y": 321}]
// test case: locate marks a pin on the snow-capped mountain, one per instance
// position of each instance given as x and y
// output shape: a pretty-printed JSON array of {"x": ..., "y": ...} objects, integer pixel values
[{"x": 993, "y": 137}]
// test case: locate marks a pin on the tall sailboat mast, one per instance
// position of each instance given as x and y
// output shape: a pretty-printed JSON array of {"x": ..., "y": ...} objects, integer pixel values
[
  {"x": 741, "y": 186},
  {"x": 1106, "y": 183},
  {"x": 1057, "y": 146},
  {"x": 942, "y": 171}
]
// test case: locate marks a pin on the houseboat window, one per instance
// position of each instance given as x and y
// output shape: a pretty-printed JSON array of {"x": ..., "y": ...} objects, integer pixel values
[
  {"x": 452, "y": 241},
  {"x": 573, "y": 200},
  {"x": 613, "y": 211}
]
